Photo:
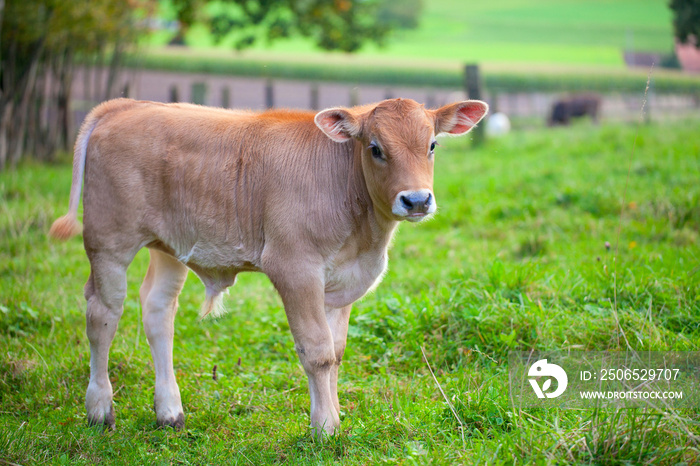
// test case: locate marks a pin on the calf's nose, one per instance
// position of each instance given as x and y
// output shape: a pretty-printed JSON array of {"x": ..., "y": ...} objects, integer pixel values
[
  {"x": 414, "y": 205},
  {"x": 416, "y": 202}
]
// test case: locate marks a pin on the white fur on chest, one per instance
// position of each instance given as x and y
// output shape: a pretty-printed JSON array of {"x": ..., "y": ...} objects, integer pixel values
[{"x": 350, "y": 279}]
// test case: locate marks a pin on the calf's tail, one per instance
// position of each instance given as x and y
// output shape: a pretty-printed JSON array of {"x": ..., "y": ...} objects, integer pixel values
[{"x": 68, "y": 226}]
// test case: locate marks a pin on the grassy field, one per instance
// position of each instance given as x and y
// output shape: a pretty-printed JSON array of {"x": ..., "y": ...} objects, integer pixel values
[
  {"x": 515, "y": 259},
  {"x": 590, "y": 32},
  {"x": 539, "y": 45}
]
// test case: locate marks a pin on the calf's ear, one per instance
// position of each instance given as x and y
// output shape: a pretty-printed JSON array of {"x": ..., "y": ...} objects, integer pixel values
[
  {"x": 460, "y": 117},
  {"x": 338, "y": 124}
]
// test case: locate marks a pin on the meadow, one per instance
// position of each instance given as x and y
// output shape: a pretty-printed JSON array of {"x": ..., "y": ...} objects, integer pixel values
[
  {"x": 538, "y": 45},
  {"x": 565, "y": 32},
  {"x": 516, "y": 258}
]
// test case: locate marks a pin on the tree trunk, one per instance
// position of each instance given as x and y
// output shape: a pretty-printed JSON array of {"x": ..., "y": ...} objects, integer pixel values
[
  {"x": 53, "y": 132},
  {"x": 113, "y": 73},
  {"x": 22, "y": 112},
  {"x": 97, "y": 75},
  {"x": 64, "y": 102},
  {"x": 35, "y": 118},
  {"x": 2, "y": 10},
  {"x": 5, "y": 128},
  {"x": 18, "y": 74}
]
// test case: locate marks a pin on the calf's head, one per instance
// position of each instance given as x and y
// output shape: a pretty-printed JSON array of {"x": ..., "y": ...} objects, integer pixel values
[{"x": 397, "y": 138}]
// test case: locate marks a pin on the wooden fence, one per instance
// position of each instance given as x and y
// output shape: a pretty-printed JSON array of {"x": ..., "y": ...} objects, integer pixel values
[{"x": 524, "y": 108}]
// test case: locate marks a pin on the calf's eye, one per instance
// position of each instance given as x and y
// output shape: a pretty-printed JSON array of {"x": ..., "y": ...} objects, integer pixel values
[
  {"x": 376, "y": 151},
  {"x": 432, "y": 148}
]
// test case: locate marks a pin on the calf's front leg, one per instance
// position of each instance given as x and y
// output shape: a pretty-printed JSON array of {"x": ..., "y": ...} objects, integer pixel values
[
  {"x": 302, "y": 293},
  {"x": 338, "y": 321}
]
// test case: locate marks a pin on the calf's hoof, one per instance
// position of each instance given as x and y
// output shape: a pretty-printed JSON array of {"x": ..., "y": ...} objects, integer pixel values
[
  {"x": 176, "y": 422},
  {"x": 102, "y": 419},
  {"x": 327, "y": 429}
]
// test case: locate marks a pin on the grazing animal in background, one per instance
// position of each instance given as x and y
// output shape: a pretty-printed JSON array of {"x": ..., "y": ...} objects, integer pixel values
[
  {"x": 563, "y": 110},
  {"x": 311, "y": 200}
]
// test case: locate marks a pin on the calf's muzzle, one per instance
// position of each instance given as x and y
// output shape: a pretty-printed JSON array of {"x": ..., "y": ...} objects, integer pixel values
[{"x": 414, "y": 205}]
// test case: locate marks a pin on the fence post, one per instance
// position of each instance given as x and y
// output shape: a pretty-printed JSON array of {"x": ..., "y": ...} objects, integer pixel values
[
  {"x": 472, "y": 84},
  {"x": 430, "y": 100},
  {"x": 269, "y": 94},
  {"x": 313, "y": 104},
  {"x": 494, "y": 106},
  {"x": 225, "y": 97},
  {"x": 199, "y": 93},
  {"x": 354, "y": 96},
  {"x": 173, "y": 95}
]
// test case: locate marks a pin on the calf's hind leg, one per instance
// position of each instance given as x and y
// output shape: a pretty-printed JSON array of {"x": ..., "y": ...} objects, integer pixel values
[
  {"x": 105, "y": 292},
  {"x": 162, "y": 285}
]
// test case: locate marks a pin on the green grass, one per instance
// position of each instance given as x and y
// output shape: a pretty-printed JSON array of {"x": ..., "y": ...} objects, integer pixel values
[
  {"x": 590, "y": 32},
  {"x": 515, "y": 259}
]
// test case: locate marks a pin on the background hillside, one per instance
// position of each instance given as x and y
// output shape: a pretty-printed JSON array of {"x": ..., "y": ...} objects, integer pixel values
[{"x": 590, "y": 32}]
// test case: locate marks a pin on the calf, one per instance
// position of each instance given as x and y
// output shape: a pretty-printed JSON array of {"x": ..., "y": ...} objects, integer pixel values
[{"x": 310, "y": 200}]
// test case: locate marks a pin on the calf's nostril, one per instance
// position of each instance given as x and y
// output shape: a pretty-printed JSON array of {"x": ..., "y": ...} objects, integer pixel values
[
  {"x": 406, "y": 203},
  {"x": 428, "y": 199}
]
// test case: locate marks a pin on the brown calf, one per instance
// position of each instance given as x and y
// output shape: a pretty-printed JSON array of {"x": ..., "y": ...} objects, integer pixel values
[{"x": 310, "y": 200}]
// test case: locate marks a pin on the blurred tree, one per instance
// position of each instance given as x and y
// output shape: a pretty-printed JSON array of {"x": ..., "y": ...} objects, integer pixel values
[
  {"x": 186, "y": 11},
  {"x": 332, "y": 24},
  {"x": 40, "y": 42},
  {"x": 686, "y": 20}
]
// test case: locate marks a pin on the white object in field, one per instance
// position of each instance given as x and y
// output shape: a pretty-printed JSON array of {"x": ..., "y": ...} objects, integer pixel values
[{"x": 497, "y": 125}]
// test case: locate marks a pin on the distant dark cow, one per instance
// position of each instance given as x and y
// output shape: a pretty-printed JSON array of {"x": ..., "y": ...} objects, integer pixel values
[{"x": 563, "y": 110}]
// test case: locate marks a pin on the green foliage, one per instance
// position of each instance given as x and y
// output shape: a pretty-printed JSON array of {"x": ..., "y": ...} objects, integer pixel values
[
  {"x": 331, "y": 25},
  {"x": 81, "y": 26},
  {"x": 686, "y": 20},
  {"x": 39, "y": 42},
  {"x": 516, "y": 258}
]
